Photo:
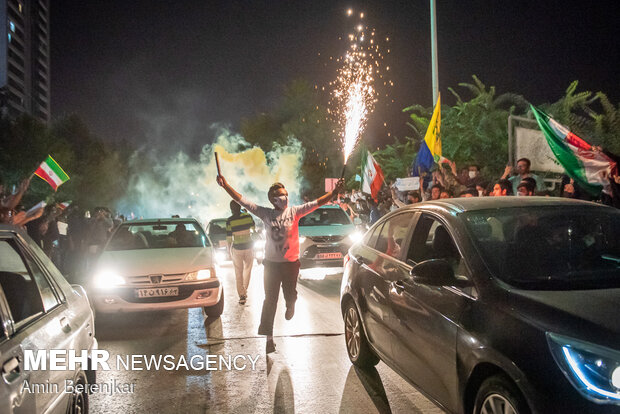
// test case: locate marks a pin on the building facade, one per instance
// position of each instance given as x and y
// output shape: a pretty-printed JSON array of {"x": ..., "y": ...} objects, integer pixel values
[{"x": 25, "y": 58}]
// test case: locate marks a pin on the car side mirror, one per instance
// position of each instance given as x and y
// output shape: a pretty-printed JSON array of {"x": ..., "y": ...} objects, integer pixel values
[{"x": 434, "y": 272}]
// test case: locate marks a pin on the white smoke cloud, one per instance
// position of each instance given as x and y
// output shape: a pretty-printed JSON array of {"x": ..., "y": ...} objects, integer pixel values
[{"x": 180, "y": 185}]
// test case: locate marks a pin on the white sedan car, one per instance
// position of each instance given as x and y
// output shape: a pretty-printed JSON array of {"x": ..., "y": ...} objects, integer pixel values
[{"x": 156, "y": 264}]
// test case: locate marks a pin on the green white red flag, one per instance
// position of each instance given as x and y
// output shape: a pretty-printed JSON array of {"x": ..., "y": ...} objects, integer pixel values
[
  {"x": 50, "y": 171},
  {"x": 372, "y": 175},
  {"x": 588, "y": 167},
  {"x": 64, "y": 204}
]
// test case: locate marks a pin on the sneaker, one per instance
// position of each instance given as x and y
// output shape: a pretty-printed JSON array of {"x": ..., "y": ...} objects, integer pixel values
[
  {"x": 290, "y": 311},
  {"x": 242, "y": 300},
  {"x": 270, "y": 347}
]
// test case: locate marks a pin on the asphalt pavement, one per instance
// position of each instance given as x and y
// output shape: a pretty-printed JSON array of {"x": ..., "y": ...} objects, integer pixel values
[{"x": 309, "y": 372}]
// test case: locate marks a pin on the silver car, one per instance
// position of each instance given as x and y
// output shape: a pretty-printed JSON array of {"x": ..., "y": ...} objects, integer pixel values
[
  {"x": 40, "y": 311},
  {"x": 157, "y": 264}
]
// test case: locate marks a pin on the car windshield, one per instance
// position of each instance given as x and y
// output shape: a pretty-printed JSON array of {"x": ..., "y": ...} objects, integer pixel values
[
  {"x": 325, "y": 217},
  {"x": 549, "y": 247},
  {"x": 157, "y": 236},
  {"x": 217, "y": 228}
]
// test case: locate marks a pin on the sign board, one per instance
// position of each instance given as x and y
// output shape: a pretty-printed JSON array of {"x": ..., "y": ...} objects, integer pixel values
[
  {"x": 408, "y": 184},
  {"x": 531, "y": 144},
  {"x": 330, "y": 184}
]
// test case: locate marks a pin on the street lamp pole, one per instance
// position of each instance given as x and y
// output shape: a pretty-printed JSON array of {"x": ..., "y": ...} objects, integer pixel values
[{"x": 434, "y": 52}]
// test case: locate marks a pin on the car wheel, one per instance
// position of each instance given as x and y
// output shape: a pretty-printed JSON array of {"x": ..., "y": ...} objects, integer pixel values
[
  {"x": 358, "y": 348},
  {"x": 215, "y": 310},
  {"x": 499, "y": 395},
  {"x": 78, "y": 403}
]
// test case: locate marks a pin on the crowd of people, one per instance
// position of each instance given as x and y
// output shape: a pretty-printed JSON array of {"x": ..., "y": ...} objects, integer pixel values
[
  {"x": 69, "y": 235},
  {"x": 448, "y": 182}
]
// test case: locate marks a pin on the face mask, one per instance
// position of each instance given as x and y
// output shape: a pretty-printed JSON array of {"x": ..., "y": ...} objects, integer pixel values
[
  {"x": 280, "y": 202},
  {"x": 480, "y": 193},
  {"x": 473, "y": 174}
]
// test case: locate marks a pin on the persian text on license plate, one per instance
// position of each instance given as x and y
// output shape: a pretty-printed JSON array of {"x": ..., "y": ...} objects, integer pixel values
[
  {"x": 336, "y": 255},
  {"x": 157, "y": 292}
]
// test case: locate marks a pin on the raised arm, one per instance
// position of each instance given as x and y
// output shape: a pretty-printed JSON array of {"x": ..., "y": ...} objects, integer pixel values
[{"x": 231, "y": 191}]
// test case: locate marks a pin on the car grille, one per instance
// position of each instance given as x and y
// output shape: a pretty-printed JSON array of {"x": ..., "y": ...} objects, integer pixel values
[
  {"x": 152, "y": 279},
  {"x": 326, "y": 239}
]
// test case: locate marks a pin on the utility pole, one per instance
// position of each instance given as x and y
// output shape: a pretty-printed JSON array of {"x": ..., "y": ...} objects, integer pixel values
[{"x": 434, "y": 52}]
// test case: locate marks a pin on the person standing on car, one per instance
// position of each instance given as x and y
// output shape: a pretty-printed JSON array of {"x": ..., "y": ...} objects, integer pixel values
[
  {"x": 239, "y": 239},
  {"x": 281, "y": 248}
]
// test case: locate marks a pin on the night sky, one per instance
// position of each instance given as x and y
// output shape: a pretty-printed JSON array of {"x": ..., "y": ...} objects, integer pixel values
[{"x": 160, "y": 73}]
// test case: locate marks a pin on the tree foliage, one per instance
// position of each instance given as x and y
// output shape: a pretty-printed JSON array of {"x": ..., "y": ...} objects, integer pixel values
[{"x": 97, "y": 171}]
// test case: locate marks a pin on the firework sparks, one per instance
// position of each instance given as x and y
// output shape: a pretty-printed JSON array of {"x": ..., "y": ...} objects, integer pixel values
[{"x": 354, "y": 95}]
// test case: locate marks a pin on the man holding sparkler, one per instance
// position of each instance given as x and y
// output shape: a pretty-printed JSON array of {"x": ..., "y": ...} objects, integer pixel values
[{"x": 281, "y": 248}]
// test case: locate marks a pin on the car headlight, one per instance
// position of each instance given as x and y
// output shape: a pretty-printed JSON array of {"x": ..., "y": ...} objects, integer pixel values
[
  {"x": 356, "y": 236},
  {"x": 202, "y": 274},
  {"x": 107, "y": 279},
  {"x": 302, "y": 239},
  {"x": 592, "y": 369}
]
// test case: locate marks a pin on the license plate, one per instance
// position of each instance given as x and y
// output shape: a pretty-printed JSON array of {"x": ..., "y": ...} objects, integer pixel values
[
  {"x": 157, "y": 292},
  {"x": 336, "y": 255}
]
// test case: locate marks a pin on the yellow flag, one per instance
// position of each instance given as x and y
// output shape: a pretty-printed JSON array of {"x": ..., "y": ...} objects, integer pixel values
[{"x": 433, "y": 133}]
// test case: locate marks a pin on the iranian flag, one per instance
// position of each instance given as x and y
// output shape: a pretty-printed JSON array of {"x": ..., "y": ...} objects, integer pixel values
[
  {"x": 588, "y": 167},
  {"x": 372, "y": 176},
  {"x": 50, "y": 171},
  {"x": 64, "y": 204}
]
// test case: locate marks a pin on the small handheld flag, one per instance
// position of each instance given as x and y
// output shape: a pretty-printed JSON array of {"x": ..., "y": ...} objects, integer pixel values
[{"x": 50, "y": 171}]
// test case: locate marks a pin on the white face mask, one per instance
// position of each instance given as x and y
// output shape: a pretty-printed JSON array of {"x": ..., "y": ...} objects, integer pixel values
[
  {"x": 280, "y": 202},
  {"x": 473, "y": 174},
  {"x": 480, "y": 193}
]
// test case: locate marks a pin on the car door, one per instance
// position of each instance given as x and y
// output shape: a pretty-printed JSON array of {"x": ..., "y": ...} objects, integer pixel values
[
  {"x": 378, "y": 269},
  {"x": 13, "y": 397},
  {"x": 426, "y": 318},
  {"x": 39, "y": 321}
]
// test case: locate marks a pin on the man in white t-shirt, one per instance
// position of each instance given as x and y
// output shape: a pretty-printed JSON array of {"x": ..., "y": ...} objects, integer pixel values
[{"x": 281, "y": 261}]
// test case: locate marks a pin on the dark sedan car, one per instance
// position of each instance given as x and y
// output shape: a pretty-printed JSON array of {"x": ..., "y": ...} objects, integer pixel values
[{"x": 492, "y": 305}]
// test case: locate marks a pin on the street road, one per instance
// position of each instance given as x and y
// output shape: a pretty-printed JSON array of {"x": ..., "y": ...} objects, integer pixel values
[{"x": 309, "y": 373}]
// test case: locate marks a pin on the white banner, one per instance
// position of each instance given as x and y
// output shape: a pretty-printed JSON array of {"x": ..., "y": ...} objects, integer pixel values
[
  {"x": 531, "y": 144},
  {"x": 408, "y": 184}
]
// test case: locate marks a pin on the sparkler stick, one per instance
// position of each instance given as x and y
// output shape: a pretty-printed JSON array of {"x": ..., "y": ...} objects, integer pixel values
[{"x": 217, "y": 164}]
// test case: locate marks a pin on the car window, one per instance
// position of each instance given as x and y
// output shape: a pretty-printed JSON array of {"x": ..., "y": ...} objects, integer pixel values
[
  {"x": 325, "y": 217},
  {"x": 137, "y": 236},
  {"x": 18, "y": 284},
  {"x": 549, "y": 247},
  {"x": 373, "y": 236},
  {"x": 393, "y": 235},
  {"x": 217, "y": 228},
  {"x": 45, "y": 290},
  {"x": 431, "y": 240}
]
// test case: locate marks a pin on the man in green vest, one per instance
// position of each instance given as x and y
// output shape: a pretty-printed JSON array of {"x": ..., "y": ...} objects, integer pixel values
[{"x": 239, "y": 228}]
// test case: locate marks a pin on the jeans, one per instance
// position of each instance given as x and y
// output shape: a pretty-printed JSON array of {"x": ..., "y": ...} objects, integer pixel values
[{"x": 277, "y": 274}]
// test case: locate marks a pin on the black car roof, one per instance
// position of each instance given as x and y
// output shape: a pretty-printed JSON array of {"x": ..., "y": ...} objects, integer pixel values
[{"x": 462, "y": 204}]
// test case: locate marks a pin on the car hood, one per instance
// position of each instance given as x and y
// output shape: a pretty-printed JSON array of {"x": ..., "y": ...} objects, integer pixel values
[
  {"x": 156, "y": 261},
  {"x": 598, "y": 307},
  {"x": 333, "y": 230}
]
